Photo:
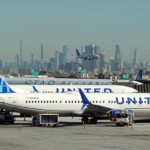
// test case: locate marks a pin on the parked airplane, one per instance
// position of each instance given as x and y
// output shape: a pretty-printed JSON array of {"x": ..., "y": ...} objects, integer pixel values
[
  {"x": 73, "y": 104},
  {"x": 71, "y": 88},
  {"x": 63, "y": 81},
  {"x": 88, "y": 56}
]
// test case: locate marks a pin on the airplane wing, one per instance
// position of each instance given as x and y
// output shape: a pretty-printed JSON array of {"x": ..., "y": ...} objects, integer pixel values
[
  {"x": 97, "y": 109},
  {"x": 92, "y": 108}
]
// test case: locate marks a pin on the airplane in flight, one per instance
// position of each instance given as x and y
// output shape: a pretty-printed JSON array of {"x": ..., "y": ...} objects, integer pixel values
[
  {"x": 86, "y": 57},
  {"x": 74, "y": 104}
]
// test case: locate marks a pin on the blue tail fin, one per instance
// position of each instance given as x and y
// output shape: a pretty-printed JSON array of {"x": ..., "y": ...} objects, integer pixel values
[
  {"x": 139, "y": 75},
  {"x": 78, "y": 54},
  {"x": 84, "y": 99},
  {"x": 35, "y": 89},
  {"x": 4, "y": 87}
]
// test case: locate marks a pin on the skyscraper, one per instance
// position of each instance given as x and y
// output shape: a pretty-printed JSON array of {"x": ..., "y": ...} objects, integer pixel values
[
  {"x": 56, "y": 66},
  {"x": 17, "y": 61},
  {"x": 21, "y": 53},
  {"x": 135, "y": 61},
  {"x": 1, "y": 65},
  {"x": 42, "y": 52},
  {"x": 117, "y": 61},
  {"x": 102, "y": 62}
]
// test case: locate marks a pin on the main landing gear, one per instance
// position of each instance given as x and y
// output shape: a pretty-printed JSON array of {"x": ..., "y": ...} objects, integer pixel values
[{"x": 91, "y": 121}]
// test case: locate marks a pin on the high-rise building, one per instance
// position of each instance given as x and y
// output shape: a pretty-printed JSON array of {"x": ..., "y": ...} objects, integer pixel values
[
  {"x": 32, "y": 58},
  {"x": 117, "y": 61},
  {"x": 17, "y": 61},
  {"x": 66, "y": 53},
  {"x": 97, "y": 61},
  {"x": 42, "y": 56},
  {"x": 56, "y": 66},
  {"x": 102, "y": 62},
  {"x": 21, "y": 53},
  {"x": 1, "y": 65},
  {"x": 135, "y": 58}
]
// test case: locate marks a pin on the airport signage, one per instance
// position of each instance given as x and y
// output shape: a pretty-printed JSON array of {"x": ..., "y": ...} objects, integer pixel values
[
  {"x": 82, "y": 72},
  {"x": 125, "y": 76},
  {"x": 35, "y": 73}
]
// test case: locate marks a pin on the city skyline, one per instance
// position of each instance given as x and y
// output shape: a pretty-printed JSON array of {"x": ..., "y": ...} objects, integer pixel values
[{"x": 75, "y": 23}]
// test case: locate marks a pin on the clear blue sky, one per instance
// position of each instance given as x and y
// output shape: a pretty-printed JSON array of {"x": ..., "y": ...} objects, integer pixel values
[{"x": 74, "y": 22}]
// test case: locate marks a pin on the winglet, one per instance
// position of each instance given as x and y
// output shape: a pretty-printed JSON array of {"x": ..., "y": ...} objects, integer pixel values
[
  {"x": 78, "y": 54},
  {"x": 84, "y": 99},
  {"x": 4, "y": 87},
  {"x": 35, "y": 89}
]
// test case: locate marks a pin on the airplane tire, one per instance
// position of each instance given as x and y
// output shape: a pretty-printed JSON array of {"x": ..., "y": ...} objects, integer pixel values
[
  {"x": 93, "y": 121},
  {"x": 85, "y": 119}
]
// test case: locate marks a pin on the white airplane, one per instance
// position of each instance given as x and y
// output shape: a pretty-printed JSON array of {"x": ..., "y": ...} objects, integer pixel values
[
  {"x": 74, "y": 104},
  {"x": 85, "y": 57},
  {"x": 63, "y": 81},
  {"x": 72, "y": 88}
]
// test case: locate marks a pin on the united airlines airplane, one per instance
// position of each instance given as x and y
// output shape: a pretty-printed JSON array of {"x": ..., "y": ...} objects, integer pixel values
[
  {"x": 74, "y": 104},
  {"x": 63, "y": 81},
  {"x": 88, "y": 56},
  {"x": 72, "y": 88}
]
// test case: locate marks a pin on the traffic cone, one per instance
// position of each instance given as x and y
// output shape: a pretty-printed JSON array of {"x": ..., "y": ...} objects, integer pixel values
[
  {"x": 84, "y": 125},
  {"x": 132, "y": 125}
]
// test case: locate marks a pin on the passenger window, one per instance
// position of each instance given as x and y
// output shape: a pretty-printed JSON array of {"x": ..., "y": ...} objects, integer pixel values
[
  {"x": 68, "y": 101},
  {"x": 72, "y": 101},
  {"x": 35, "y": 101},
  {"x": 78, "y": 101},
  {"x": 96, "y": 102},
  {"x": 26, "y": 101},
  {"x": 103, "y": 101},
  {"x": 60, "y": 101},
  {"x": 65, "y": 101},
  {"x": 29, "y": 101}
]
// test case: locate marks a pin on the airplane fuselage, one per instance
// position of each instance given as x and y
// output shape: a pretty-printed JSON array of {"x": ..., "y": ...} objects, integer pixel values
[{"x": 70, "y": 104}]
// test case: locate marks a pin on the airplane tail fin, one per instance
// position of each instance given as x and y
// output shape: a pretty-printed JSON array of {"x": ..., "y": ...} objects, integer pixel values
[
  {"x": 84, "y": 99},
  {"x": 78, "y": 54},
  {"x": 35, "y": 89},
  {"x": 139, "y": 75},
  {"x": 4, "y": 87}
]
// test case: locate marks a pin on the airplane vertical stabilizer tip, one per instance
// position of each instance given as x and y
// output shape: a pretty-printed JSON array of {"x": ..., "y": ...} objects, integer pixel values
[
  {"x": 4, "y": 87},
  {"x": 78, "y": 54},
  {"x": 84, "y": 99},
  {"x": 35, "y": 89}
]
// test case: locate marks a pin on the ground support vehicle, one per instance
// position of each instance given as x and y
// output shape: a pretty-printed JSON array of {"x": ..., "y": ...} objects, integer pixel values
[
  {"x": 46, "y": 120},
  {"x": 6, "y": 117},
  {"x": 123, "y": 117}
]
